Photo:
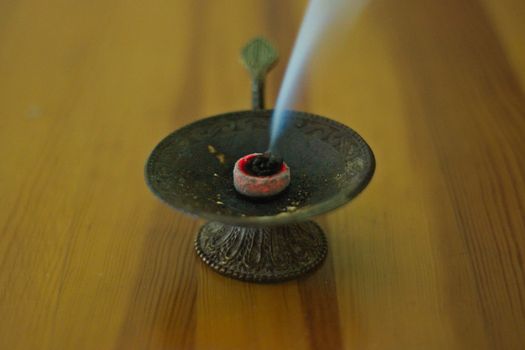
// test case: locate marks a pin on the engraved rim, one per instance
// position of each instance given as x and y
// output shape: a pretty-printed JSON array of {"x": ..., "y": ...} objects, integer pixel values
[{"x": 344, "y": 196}]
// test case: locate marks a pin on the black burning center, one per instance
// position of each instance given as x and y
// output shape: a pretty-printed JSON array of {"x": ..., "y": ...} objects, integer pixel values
[{"x": 265, "y": 164}]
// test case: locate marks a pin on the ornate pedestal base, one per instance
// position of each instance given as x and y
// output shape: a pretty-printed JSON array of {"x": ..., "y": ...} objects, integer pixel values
[{"x": 262, "y": 254}]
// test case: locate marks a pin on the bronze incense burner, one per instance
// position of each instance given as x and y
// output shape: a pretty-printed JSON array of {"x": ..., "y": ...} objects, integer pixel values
[{"x": 269, "y": 239}]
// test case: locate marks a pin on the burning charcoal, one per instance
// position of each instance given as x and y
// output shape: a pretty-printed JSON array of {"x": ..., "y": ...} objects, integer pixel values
[
  {"x": 261, "y": 175},
  {"x": 265, "y": 164}
]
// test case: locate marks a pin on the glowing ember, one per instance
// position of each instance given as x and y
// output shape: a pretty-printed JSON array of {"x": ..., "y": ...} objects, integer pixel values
[{"x": 260, "y": 175}]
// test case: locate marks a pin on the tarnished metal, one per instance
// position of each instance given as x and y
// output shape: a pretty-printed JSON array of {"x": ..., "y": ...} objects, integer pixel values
[
  {"x": 262, "y": 254},
  {"x": 192, "y": 171},
  {"x": 258, "y": 56}
]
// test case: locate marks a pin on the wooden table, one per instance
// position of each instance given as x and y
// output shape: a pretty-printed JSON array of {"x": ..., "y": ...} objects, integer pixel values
[{"x": 430, "y": 256}]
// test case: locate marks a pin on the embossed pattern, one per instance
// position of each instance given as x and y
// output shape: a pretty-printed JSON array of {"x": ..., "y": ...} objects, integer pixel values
[{"x": 269, "y": 254}]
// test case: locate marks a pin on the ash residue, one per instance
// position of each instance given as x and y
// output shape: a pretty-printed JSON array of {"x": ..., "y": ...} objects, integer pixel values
[{"x": 218, "y": 155}]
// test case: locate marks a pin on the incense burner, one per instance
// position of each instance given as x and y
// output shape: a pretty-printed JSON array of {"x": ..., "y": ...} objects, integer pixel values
[{"x": 260, "y": 239}]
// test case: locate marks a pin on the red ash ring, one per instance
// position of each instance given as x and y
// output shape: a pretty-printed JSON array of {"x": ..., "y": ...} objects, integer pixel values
[{"x": 259, "y": 186}]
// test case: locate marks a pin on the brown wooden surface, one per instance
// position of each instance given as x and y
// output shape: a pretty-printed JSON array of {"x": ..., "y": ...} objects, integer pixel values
[{"x": 430, "y": 256}]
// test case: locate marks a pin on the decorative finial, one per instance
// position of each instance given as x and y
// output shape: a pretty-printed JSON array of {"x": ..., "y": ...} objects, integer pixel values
[{"x": 259, "y": 56}]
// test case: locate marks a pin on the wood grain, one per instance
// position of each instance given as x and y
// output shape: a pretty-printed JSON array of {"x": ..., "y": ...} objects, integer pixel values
[{"x": 430, "y": 256}]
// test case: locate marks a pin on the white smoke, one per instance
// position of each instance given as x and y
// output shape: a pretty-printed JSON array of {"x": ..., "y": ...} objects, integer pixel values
[{"x": 319, "y": 15}]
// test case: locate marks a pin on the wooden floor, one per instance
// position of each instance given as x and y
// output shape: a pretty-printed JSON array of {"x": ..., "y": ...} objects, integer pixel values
[{"x": 430, "y": 256}]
